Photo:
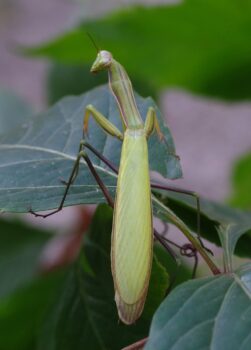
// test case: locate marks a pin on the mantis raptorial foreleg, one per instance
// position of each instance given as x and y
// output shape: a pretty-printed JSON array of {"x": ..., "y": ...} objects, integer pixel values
[
  {"x": 102, "y": 121},
  {"x": 152, "y": 124}
]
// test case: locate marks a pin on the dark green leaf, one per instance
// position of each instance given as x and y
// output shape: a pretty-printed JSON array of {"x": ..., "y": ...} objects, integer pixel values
[
  {"x": 24, "y": 293},
  {"x": 208, "y": 313},
  {"x": 179, "y": 272},
  {"x": 66, "y": 80},
  {"x": 241, "y": 183},
  {"x": 198, "y": 45},
  {"x": 21, "y": 313},
  {"x": 34, "y": 159},
  {"x": 85, "y": 316},
  {"x": 20, "y": 246}
]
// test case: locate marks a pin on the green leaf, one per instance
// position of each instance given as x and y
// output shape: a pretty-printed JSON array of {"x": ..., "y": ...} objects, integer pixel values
[
  {"x": 177, "y": 270},
  {"x": 85, "y": 314},
  {"x": 34, "y": 159},
  {"x": 241, "y": 183},
  {"x": 68, "y": 79},
  {"x": 20, "y": 247},
  {"x": 229, "y": 235},
  {"x": 24, "y": 292},
  {"x": 13, "y": 111},
  {"x": 63, "y": 80},
  {"x": 22, "y": 312},
  {"x": 207, "y": 313},
  {"x": 170, "y": 46}
]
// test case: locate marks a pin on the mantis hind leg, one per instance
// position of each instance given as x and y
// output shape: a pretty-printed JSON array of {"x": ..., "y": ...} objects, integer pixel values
[
  {"x": 186, "y": 250},
  {"x": 197, "y": 198}
]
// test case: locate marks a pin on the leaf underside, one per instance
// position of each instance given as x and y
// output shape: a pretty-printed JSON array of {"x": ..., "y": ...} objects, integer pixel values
[
  {"x": 36, "y": 156},
  {"x": 207, "y": 313}
]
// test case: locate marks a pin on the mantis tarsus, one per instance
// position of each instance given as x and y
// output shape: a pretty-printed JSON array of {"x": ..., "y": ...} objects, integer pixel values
[{"x": 132, "y": 232}]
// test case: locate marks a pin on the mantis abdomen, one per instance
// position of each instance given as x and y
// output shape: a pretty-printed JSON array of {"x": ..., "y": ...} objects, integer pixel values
[{"x": 132, "y": 235}]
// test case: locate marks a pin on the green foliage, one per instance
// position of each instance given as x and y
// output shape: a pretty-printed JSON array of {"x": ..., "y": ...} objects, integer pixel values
[
  {"x": 207, "y": 313},
  {"x": 49, "y": 144},
  {"x": 84, "y": 315},
  {"x": 68, "y": 79},
  {"x": 241, "y": 183},
  {"x": 213, "y": 215},
  {"x": 46, "y": 145},
  {"x": 198, "y": 45},
  {"x": 203, "y": 46},
  {"x": 229, "y": 235},
  {"x": 19, "y": 250},
  {"x": 24, "y": 292}
]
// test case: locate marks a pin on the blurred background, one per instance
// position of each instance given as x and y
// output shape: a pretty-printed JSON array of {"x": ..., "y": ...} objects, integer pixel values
[{"x": 193, "y": 57}]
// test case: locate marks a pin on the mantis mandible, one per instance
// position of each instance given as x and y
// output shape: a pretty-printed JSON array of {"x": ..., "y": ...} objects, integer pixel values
[{"x": 132, "y": 231}]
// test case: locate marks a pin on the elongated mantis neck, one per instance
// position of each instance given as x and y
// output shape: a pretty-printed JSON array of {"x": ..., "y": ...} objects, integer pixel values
[{"x": 121, "y": 87}]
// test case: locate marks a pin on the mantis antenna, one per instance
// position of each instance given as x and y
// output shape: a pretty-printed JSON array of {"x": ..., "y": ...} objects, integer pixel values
[{"x": 93, "y": 41}]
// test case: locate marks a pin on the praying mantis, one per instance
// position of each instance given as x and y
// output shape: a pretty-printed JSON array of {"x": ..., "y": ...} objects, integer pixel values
[{"x": 132, "y": 231}]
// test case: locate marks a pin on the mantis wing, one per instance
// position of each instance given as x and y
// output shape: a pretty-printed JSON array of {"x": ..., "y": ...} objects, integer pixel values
[{"x": 132, "y": 235}]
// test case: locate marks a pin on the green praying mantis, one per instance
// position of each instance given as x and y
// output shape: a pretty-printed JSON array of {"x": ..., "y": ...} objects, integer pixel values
[{"x": 132, "y": 231}]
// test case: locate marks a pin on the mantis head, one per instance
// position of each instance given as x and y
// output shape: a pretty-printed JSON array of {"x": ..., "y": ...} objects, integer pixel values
[{"x": 103, "y": 61}]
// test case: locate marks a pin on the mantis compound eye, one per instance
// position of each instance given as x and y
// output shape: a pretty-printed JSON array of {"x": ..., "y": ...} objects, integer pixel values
[{"x": 103, "y": 61}]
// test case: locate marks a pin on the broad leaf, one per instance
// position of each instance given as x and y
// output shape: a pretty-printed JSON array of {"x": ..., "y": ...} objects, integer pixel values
[
  {"x": 85, "y": 314},
  {"x": 208, "y": 313},
  {"x": 14, "y": 111},
  {"x": 35, "y": 158},
  {"x": 175, "y": 45}
]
